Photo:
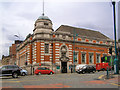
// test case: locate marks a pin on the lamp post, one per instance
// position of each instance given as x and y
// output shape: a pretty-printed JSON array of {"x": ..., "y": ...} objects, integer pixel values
[
  {"x": 18, "y": 51},
  {"x": 74, "y": 35},
  {"x": 52, "y": 49},
  {"x": 116, "y": 71},
  {"x": 74, "y": 52}
]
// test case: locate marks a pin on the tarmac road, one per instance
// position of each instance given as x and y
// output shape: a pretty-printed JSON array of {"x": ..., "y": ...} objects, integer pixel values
[{"x": 68, "y": 80}]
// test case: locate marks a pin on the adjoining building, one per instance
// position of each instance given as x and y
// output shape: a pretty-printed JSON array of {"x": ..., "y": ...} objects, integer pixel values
[
  {"x": 5, "y": 60},
  {"x": 12, "y": 52},
  {"x": 11, "y": 58},
  {"x": 61, "y": 49}
]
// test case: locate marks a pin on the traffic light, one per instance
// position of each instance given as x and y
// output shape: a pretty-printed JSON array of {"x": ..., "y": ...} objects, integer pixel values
[
  {"x": 119, "y": 51},
  {"x": 110, "y": 50},
  {"x": 103, "y": 59},
  {"x": 26, "y": 63},
  {"x": 106, "y": 59}
]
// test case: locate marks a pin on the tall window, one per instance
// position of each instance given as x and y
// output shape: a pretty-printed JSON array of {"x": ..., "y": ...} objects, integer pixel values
[
  {"x": 90, "y": 58},
  {"x": 98, "y": 58},
  {"x": 83, "y": 58},
  {"x": 46, "y": 48},
  {"x": 76, "y": 57}
]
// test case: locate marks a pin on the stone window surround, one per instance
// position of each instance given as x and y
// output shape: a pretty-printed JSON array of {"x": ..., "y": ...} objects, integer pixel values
[
  {"x": 48, "y": 48},
  {"x": 77, "y": 56},
  {"x": 83, "y": 52},
  {"x": 96, "y": 57},
  {"x": 91, "y": 53}
]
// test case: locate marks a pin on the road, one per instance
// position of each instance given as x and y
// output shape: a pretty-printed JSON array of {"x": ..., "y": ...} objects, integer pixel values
[{"x": 69, "y": 80}]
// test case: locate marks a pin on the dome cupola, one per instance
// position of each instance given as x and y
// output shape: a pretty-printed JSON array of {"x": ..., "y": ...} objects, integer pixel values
[
  {"x": 43, "y": 23},
  {"x": 44, "y": 18}
]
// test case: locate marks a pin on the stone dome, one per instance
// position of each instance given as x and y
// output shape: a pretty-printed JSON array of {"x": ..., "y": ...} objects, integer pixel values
[{"x": 44, "y": 17}]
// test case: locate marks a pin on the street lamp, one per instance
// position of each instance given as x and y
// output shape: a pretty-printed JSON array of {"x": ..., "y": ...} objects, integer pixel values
[
  {"x": 17, "y": 36},
  {"x": 18, "y": 51},
  {"x": 116, "y": 71},
  {"x": 52, "y": 47},
  {"x": 74, "y": 36}
]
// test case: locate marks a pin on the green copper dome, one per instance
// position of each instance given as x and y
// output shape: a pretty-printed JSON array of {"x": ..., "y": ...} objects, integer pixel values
[{"x": 44, "y": 17}]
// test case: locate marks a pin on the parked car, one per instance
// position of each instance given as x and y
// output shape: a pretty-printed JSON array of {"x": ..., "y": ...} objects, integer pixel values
[
  {"x": 10, "y": 70},
  {"x": 102, "y": 66},
  {"x": 23, "y": 72},
  {"x": 79, "y": 66},
  {"x": 86, "y": 69},
  {"x": 43, "y": 70}
]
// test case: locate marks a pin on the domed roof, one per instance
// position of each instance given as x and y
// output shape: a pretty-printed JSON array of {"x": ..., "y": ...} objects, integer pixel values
[{"x": 44, "y": 17}]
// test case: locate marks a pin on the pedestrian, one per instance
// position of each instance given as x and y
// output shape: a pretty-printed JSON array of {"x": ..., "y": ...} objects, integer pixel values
[
  {"x": 33, "y": 70},
  {"x": 71, "y": 70}
]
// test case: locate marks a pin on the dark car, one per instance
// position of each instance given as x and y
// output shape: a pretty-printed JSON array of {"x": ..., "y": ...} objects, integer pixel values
[
  {"x": 87, "y": 69},
  {"x": 10, "y": 70},
  {"x": 43, "y": 70}
]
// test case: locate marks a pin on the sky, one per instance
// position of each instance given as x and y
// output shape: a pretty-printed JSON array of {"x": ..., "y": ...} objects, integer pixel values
[
  {"x": 18, "y": 17},
  {"x": 118, "y": 20}
]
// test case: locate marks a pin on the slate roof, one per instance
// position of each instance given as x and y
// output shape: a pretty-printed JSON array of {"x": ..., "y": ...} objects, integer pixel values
[{"x": 82, "y": 32}]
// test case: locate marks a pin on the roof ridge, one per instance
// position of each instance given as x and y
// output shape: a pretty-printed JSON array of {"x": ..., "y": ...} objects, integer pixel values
[
  {"x": 80, "y": 28},
  {"x": 82, "y": 31}
]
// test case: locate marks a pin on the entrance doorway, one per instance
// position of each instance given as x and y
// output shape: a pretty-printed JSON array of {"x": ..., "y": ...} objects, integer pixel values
[{"x": 64, "y": 67}]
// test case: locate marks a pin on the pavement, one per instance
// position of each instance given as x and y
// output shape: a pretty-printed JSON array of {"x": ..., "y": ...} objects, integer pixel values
[{"x": 113, "y": 79}]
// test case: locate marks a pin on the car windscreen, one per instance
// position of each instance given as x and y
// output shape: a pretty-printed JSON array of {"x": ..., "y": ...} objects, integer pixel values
[{"x": 47, "y": 69}]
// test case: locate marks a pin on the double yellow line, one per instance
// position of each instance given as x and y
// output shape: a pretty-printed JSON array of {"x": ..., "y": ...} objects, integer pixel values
[
  {"x": 114, "y": 84},
  {"x": 100, "y": 77}
]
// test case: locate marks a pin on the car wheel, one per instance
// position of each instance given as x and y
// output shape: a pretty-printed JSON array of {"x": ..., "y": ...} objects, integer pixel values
[
  {"x": 50, "y": 73},
  {"x": 89, "y": 72},
  {"x": 93, "y": 71},
  {"x": 23, "y": 74},
  {"x": 79, "y": 73},
  {"x": 83, "y": 72},
  {"x": 103, "y": 69},
  {"x": 15, "y": 75},
  {"x": 39, "y": 73}
]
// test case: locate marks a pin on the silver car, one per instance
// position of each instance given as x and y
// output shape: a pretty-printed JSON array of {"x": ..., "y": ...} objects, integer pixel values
[{"x": 23, "y": 72}]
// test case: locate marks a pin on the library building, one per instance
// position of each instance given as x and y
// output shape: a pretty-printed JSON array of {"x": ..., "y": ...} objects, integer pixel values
[{"x": 61, "y": 49}]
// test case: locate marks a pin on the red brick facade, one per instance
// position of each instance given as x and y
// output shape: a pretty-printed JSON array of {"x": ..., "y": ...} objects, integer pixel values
[{"x": 53, "y": 49}]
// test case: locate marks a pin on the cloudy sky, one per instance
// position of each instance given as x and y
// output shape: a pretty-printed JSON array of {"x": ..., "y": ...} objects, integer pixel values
[{"x": 17, "y": 17}]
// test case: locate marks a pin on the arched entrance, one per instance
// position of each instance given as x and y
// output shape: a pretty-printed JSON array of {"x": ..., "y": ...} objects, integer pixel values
[
  {"x": 64, "y": 59},
  {"x": 63, "y": 67}
]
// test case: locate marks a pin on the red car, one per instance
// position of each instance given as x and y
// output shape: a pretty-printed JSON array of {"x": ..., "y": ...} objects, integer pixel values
[
  {"x": 43, "y": 70},
  {"x": 102, "y": 66}
]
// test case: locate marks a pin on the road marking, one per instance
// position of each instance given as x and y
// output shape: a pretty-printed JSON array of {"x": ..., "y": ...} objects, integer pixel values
[
  {"x": 10, "y": 82},
  {"x": 100, "y": 77},
  {"x": 58, "y": 85},
  {"x": 114, "y": 84}
]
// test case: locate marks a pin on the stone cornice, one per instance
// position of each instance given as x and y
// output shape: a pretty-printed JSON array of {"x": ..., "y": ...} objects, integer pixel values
[{"x": 27, "y": 41}]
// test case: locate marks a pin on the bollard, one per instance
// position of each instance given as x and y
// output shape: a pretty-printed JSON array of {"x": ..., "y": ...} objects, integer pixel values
[{"x": 107, "y": 73}]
